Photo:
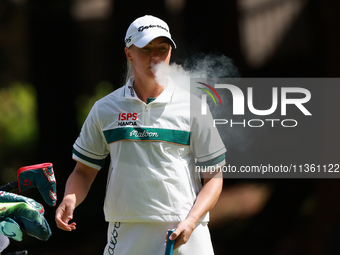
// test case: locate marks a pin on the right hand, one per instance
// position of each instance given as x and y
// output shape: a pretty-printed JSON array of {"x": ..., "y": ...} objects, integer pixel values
[{"x": 64, "y": 214}]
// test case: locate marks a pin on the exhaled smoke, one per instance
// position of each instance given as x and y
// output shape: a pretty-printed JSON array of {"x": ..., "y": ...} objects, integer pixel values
[
  {"x": 209, "y": 67},
  {"x": 202, "y": 66},
  {"x": 160, "y": 70},
  {"x": 212, "y": 66},
  {"x": 199, "y": 66}
]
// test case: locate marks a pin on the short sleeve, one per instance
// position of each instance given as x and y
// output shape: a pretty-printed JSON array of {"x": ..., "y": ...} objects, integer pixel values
[
  {"x": 91, "y": 148},
  {"x": 206, "y": 142}
]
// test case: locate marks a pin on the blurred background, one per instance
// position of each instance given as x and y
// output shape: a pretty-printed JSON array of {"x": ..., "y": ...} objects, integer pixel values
[{"x": 58, "y": 57}]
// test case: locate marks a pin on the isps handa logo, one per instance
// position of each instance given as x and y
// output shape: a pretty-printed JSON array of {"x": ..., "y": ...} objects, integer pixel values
[
  {"x": 282, "y": 97},
  {"x": 127, "y": 119}
]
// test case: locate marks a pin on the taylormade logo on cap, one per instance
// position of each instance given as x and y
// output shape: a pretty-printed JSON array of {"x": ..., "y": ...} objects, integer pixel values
[
  {"x": 144, "y": 29},
  {"x": 140, "y": 29}
]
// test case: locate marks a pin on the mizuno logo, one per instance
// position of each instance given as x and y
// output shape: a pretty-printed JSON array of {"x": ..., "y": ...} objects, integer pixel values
[{"x": 131, "y": 91}]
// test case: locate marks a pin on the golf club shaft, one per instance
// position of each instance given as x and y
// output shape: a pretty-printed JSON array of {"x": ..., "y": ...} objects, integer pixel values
[{"x": 9, "y": 186}]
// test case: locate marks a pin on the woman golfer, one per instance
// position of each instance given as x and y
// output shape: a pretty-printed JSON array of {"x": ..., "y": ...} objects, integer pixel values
[{"x": 156, "y": 143}]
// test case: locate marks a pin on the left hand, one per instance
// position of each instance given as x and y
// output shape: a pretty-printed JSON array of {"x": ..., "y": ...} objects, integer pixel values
[{"x": 183, "y": 232}]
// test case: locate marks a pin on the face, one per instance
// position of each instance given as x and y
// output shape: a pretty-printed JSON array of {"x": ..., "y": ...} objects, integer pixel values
[{"x": 143, "y": 59}]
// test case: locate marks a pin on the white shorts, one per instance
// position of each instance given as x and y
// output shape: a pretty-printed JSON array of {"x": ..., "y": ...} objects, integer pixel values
[{"x": 149, "y": 239}]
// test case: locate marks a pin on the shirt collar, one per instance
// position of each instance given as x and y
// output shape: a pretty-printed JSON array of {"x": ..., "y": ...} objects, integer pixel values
[
  {"x": 164, "y": 97},
  {"x": 129, "y": 92}
]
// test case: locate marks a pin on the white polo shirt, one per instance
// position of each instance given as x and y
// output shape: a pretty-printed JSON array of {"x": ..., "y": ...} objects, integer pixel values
[{"x": 153, "y": 149}]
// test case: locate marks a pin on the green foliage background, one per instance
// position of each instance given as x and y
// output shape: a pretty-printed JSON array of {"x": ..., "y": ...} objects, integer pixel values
[{"x": 19, "y": 126}]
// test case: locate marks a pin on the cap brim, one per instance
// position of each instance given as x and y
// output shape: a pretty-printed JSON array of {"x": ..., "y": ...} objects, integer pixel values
[{"x": 146, "y": 39}]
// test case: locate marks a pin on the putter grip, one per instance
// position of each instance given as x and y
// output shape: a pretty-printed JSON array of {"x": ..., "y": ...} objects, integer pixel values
[{"x": 169, "y": 244}]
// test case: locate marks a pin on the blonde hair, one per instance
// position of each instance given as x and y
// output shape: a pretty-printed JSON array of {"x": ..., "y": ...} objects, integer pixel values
[{"x": 128, "y": 71}]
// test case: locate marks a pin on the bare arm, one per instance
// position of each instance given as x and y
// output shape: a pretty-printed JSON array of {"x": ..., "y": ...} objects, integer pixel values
[
  {"x": 205, "y": 200},
  {"x": 77, "y": 187}
]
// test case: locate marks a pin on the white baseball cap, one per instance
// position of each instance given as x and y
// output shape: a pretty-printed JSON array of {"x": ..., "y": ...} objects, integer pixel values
[{"x": 144, "y": 29}]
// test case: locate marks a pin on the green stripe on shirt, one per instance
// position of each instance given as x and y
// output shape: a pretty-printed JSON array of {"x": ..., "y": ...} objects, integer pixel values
[
  {"x": 98, "y": 162},
  {"x": 147, "y": 134},
  {"x": 213, "y": 161}
]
